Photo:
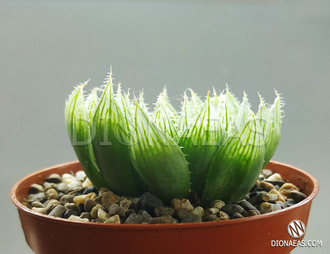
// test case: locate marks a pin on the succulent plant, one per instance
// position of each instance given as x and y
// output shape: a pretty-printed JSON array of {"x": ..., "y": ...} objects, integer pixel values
[{"x": 214, "y": 148}]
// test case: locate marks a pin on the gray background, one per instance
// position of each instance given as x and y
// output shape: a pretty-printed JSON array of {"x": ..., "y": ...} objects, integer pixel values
[{"x": 46, "y": 48}]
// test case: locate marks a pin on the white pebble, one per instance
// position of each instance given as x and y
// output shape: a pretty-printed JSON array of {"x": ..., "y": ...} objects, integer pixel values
[
  {"x": 87, "y": 183},
  {"x": 274, "y": 177},
  {"x": 80, "y": 176}
]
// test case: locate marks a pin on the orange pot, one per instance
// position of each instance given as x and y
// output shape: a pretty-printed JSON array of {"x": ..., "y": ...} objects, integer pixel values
[{"x": 48, "y": 235}]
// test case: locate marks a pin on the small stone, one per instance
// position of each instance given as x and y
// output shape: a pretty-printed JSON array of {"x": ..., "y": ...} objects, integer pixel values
[
  {"x": 182, "y": 214},
  {"x": 58, "y": 211},
  {"x": 198, "y": 211},
  {"x": 87, "y": 183},
  {"x": 113, "y": 220},
  {"x": 161, "y": 220},
  {"x": 72, "y": 206},
  {"x": 297, "y": 196},
  {"x": 253, "y": 194},
  {"x": 267, "y": 172},
  {"x": 74, "y": 186},
  {"x": 268, "y": 207},
  {"x": 209, "y": 211},
  {"x": 109, "y": 198},
  {"x": 42, "y": 210},
  {"x": 134, "y": 219},
  {"x": 125, "y": 204},
  {"x": 77, "y": 218},
  {"x": 149, "y": 202},
  {"x": 89, "y": 204},
  {"x": 281, "y": 204},
  {"x": 181, "y": 204},
  {"x": 35, "y": 188},
  {"x": 27, "y": 204},
  {"x": 102, "y": 214},
  {"x": 98, "y": 199},
  {"x": 192, "y": 219},
  {"x": 232, "y": 208},
  {"x": 287, "y": 188},
  {"x": 62, "y": 187},
  {"x": 216, "y": 204},
  {"x": 266, "y": 186},
  {"x": 66, "y": 199},
  {"x": 247, "y": 205},
  {"x": 82, "y": 198},
  {"x": 223, "y": 216},
  {"x": 86, "y": 215},
  {"x": 36, "y": 197},
  {"x": 48, "y": 185},
  {"x": 277, "y": 184},
  {"x": 68, "y": 213},
  {"x": 269, "y": 197},
  {"x": 280, "y": 197},
  {"x": 116, "y": 209},
  {"x": 103, "y": 190},
  {"x": 51, "y": 194},
  {"x": 251, "y": 213},
  {"x": 274, "y": 177},
  {"x": 258, "y": 199},
  {"x": 95, "y": 211},
  {"x": 211, "y": 217},
  {"x": 51, "y": 202},
  {"x": 289, "y": 202},
  {"x": 37, "y": 204},
  {"x": 146, "y": 216},
  {"x": 136, "y": 204},
  {"x": 128, "y": 212},
  {"x": 163, "y": 211},
  {"x": 236, "y": 216},
  {"x": 80, "y": 175},
  {"x": 54, "y": 178},
  {"x": 261, "y": 177},
  {"x": 90, "y": 189}
]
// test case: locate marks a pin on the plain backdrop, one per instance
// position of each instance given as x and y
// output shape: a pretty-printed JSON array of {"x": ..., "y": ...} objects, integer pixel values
[{"x": 47, "y": 47}]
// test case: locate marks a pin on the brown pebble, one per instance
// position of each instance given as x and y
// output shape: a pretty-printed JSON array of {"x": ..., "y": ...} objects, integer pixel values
[
  {"x": 113, "y": 220},
  {"x": 251, "y": 213},
  {"x": 109, "y": 198},
  {"x": 266, "y": 186},
  {"x": 161, "y": 220},
  {"x": 163, "y": 211},
  {"x": 181, "y": 204},
  {"x": 51, "y": 194},
  {"x": 89, "y": 204}
]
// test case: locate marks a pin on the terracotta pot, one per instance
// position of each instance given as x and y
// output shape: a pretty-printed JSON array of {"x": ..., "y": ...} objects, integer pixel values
[{"x": 45, "y": 234}]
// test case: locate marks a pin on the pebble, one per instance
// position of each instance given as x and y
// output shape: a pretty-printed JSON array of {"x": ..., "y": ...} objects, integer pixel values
[
  {"x": 94, "y": 211},
  {"x": 113, "y": 220},
  {"x": 247, "y": 205},
  {"x": 89, "y": 204},
  {"x": 103, "y": 190},
  {"x": 37, "y": 197},
  {"x": 125, "y": 204},
  {"x": 58, "y": 211},
  {"x": 77, "y": 218},
  {"x": 161, "y": 211},
  {"x": 74, "y": 186},
  {"x": 146, "y": 216},
  {"x": 66, "y": 199},
  {"x": 232, "y": 208},
  {"x": 274, "y": 177},
  {"x": 134, "y": 219},
  {"x": 128, "y": 213},
  {"x": 266, "y": 172},
  {"x": 236, "y": 216},
  {"x": 280, "y": 197},
  {"x": 281, "y": 204},
  {"x": 51, "y": 194},
  {"x": 136, "y": 204},
  {"x": 287, "y": 188},
  {"x": 268, "y": 207},
  {"x": 193, "y": 218},
  {"x": 42, "y": 210},
  {"x": 223, "y": 216},
  {"x": 87, "y": 183},
  {"x": 72, "y": 206},
  {"x": 216, "y": 204},
  {"x": 211, "y": 217},
  {"x": 209, "y": 211},
  {"x": 62, "y": 187},
  {"x": 68, "y": 213},
  {"x": 251, "y": 213},
  {"x": 82, "y": 198},
  {"x": 258, "y": 199},
  {"x": 265, "y": 185},
  {"x": 48, "y": 185},
  {"x": 182, "y": 214},
  {"x": 38, "y": 204},
  {"x": 36, "y": 188},
  {"x": 51, "y": 202},
  {"x": 149, "y": 202},
  {"x": 90, "y": 189},
  {"x": 181, "y": 204},
  {"x": 297, "y": 196},
  {"x": 269, "y": 197},
  {"x": 161, "y": 220},
  {"x": 289, "y": 202},
  {"x": 199, "y": 211},
  {"x": 86, "y": 215},
  {"x": 54, "y": 178},
  {"x": 109, "y": 198},
  {"x": 80, "y": 175},
  {"x": 116, "y": 209},
  {"x": 102, "y": 214}
]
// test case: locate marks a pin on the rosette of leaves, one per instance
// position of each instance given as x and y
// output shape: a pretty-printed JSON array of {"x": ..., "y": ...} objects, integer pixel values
[{"x": 214, "y": 148}]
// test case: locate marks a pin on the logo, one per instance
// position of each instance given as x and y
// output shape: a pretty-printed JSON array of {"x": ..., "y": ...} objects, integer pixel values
[{"x": 296, "y": 228}]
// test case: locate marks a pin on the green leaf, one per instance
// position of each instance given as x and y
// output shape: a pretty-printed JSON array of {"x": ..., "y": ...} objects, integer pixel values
[
  {"x": 111, "y": 144},
  {"x": 200, "y": 143},
  {"x": 79, "y": 131},
  {"x": 159, "y": 160},
  {"x": 236, "y": 166}
]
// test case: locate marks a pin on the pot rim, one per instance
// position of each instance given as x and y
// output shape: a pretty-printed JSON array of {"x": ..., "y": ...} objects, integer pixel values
[{"x": 224, "y": 223}]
